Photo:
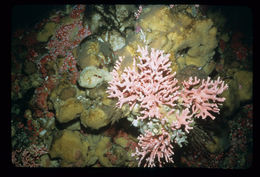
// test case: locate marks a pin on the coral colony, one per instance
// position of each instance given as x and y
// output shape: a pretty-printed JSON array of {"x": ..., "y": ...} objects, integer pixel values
[
  {"x": 164, "y": 111},
  {"x": 67, "y": 80}
]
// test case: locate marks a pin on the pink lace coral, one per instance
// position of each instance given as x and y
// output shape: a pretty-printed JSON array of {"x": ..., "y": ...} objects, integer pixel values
[
  {"x": 204, "y": 98},
  {"x": 28, "y": 157},
  {"x": 148, "y": 83},
  {"x": 153, "y": 146},
  {"x": 183, "y": 119}
]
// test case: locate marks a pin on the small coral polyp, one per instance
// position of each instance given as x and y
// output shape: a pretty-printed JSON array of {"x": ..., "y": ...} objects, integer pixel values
[{"x": 167, "y": 111}]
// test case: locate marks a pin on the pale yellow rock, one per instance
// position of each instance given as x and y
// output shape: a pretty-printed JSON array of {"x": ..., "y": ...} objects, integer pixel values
[
  {"x": 158, "y": 21},
  {"x": 88, "y": 54},
  {"x": 94, "y": 118},
  {"x": 91, "y": 77},
  {"x": 74, "y": 126},
  {"x": 48, "y": 30},
  {"x": 56, "y": 92},
  {"x": 102, "y": 148},
  {"x": 195, "y": 51},
  {"x": 69, "y": 110},
  {"x": 67, "y": 20},
  {"x": 93, "y": 60},
  {"x": 189, "y": 10},
  {"x": 116, "y": 40},
  {"x": 70, "y": 148},
  {"x": 121, "y": 141},
  {"x": 225, "y": 37},
  {"x": 107, "y": 101},
  {"x": 45, "y": 161},
  {"x": 218, "y": 18},
  {"x": 92, "y": 47},
  {"x": 159, "y": 43},
  {"x": 97, "y": 93},
  {"x": 127, "y": 52},
  {"x": 168, "y": 46},
  {"x": 174, "y": 32},
  {"x": 126, "y": 110},
  {"x": 214, "y": 147},
  {"x": 120, "y": 156},
  {"x": 209, "y": 67},
  {"x": 181, "y": 62},
  {"x": 28, "y": 114},
  {"x": 174, "y": 66},
  {"x": 75, "y": 52},
  {"x": 245, "y": 85},
  {"x": 232, "y": 101},
  {"x": 196, "y": 61},
  {"x": 186, "y": 20}
]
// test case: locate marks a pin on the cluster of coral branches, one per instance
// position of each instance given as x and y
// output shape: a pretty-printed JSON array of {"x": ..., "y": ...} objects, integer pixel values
[{"x": 165, "y": 108}]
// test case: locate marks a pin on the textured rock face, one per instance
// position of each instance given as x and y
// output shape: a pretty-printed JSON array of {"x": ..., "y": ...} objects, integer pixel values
[
  {"x": 240, "y": 90},
  {"x": 91, "y": 77},
  {"x": 116, "y": 40},
  {"x": 92, "y": 52},
  {"x": 245, "y": 85},
  {"x": 113, "y": 23},
  {"x": 95, "y": 118},
  {"x": 70, "y": 148},
  {"x": 69, "y": 110},
  {"x": 191, "y": 41},
  {"x": 88, "y": 54},
  {"x": 232, "y": 101},
  {"x": 46, "y": 32},
  {"x": 67, "y": 92}
]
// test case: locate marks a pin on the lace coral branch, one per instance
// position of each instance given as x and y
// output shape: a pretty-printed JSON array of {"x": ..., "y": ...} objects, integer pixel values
[{"x": 204, "y": 98}]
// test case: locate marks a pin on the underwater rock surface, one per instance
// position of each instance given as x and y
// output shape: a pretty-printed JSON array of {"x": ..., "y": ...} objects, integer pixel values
[{"x": 79, "y": 86}]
